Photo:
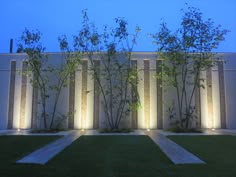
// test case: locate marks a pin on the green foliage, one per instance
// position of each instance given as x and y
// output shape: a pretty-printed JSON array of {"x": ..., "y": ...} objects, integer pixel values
[
  {"x": 30, "y": 43},
  {"x": 39, "y": 71},
  {"x": 112, "y": 47},
  {"x": 185, "y": 54}
]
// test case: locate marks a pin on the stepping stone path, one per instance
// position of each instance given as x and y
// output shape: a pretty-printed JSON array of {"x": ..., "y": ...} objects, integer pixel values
[
  {"x": 176, "y": 153},
  {"x": 44, "y": 154}
]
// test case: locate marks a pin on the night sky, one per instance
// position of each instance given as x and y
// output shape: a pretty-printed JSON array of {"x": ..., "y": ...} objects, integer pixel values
[{"x": 57, "y": 17}]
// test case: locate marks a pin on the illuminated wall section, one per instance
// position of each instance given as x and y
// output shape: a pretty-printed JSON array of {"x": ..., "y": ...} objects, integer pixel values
[
  {"x": 28, "y": 104},
  {"x": 84, "y": 64},
  {"x": 141, "y": 113},
  {"x": 17, "y": 96},
  {"x": 22, "y": 99},
  {"x": 78, "y": 95},
  {"x": 146, "y": 104},
  {"x": 90, "y": 99},
  {"x": 210, "y": 118},
  {"x": 84, "y": 97},
  {"x": 147, "y": 88},
  {"x": 210, "y": 100},
  {"x": 23, "y": 96},
  {"x": 216, "y": 99},
  {"x": 153, "y": 95}
]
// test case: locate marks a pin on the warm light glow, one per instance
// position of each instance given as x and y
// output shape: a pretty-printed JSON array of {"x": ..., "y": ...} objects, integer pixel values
[
  {"x": 28, "y": 105},
  {"x": 148, "y": 130},
  {"x": 213, "y": 129},
  {"x": 82, "y": 130}
]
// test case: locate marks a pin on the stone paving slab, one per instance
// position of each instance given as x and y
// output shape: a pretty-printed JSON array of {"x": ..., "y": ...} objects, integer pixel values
[
  {"x": 204, "y": 133},
  {"x": 44, "y": 154},
  {"x": 97, "y": 133},
  {"x": 226, "y": 131},
  {"x": 176, "y": 153},
  {"x": 28, "y": 133}
]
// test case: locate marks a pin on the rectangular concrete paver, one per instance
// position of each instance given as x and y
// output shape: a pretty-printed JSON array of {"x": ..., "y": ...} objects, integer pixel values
[
  {"x": 97, "y": 133},
  {"x": 176, "y": 153},
  {"x": 44, "y": 154}
]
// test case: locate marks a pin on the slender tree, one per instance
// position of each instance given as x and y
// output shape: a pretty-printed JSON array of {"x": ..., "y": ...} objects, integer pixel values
[
  {"x": 40, "y": 69},
  {"x": 30, "y": 43},
  {"x": 116, "y": 76},
  {"x": 185, "y": 54}
]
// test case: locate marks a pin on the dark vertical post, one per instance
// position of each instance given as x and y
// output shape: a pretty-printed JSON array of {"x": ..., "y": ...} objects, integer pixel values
[
  {"x": 11, "y": 45},
  {"x": 11, "y": 95},
  {"x": 71, "y": 101},
  {"x": 222, "y": 94},
  {"x": 134, "y": 113},
  {"x": 96, "y": 97},
  {"x": 198, "y": 106},
  {"x": 159, "y": 96},
  {"x": 34, "y": 107}
]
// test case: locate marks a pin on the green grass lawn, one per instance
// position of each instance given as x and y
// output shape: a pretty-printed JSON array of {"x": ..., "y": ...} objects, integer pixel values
[
  {"x": 13, "y": 148},
  {"x": 123, "y": 156},
  {"x": 219, "y": 152}
]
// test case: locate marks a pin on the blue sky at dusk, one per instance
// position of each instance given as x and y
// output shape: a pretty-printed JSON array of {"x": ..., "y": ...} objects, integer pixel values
[{"x": 56, "y": 17}]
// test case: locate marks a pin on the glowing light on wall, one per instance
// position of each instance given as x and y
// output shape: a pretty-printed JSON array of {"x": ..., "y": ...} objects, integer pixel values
[
  {"x": 141, "y": 115},
  {"x": 28, "y": 105},
  {"x": 90, "y": 100},
  {"x": 153, "y": 94},
  {"x": 78, "y": 93},
  {"x": 17, "y": 97}
]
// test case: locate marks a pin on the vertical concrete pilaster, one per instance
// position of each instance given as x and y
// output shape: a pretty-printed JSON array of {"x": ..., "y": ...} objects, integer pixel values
[
  {"x": 198, "y": 107},
  {"x": 96, "y": 97},
  {"x": 209, "y": 99},
  {"x": 11, "y": 94},
  {"x": 222, "y": 94},
  {"x": 134, "y": 114},
  {"x": 84, "y": 92},
  {"x": 159, "y": 96},
  {"x": 23, "y": 95},
  {"x": 147, "y": 93},
  {"x": 34, "y": 108},
  {"x": 71, "y": 101}
]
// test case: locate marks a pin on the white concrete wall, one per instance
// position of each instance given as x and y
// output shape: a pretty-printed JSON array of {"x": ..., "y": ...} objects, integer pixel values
[
  {"x": 5, "y": 66},
  {"x": 56, "y": 60},
  {"x": 4, "y": 89},
  {"x": 230, "y": 89},
  {"x": 63, "y": 105}
]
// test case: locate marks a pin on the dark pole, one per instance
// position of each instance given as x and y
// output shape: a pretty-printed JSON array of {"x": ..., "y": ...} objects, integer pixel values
[{"x": 11, "y": 45}]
